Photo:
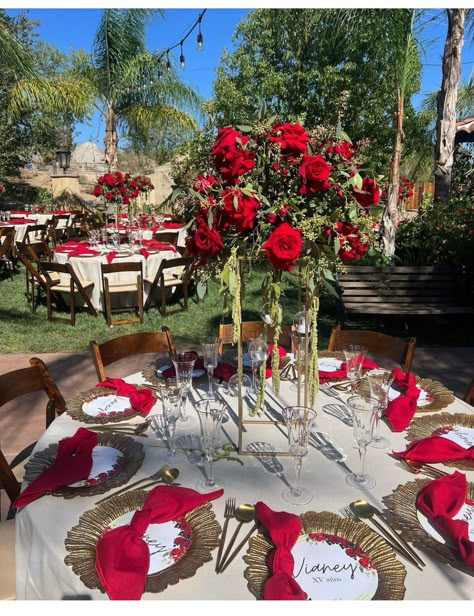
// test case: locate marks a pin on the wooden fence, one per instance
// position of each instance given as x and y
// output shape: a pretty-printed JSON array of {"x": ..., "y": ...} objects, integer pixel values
[{"x": 420, "y": 189}]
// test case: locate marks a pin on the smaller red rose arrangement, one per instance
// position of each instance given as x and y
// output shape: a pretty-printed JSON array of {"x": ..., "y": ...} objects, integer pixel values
[{"x": 121, "y": 188}]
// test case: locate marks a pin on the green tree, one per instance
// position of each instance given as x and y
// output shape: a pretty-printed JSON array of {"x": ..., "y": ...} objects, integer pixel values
[{"x": 120, "y": 79}]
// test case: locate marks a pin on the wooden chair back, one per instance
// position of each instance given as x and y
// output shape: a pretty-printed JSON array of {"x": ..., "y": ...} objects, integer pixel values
[
  {"x": 60, "y": 232},
  {"x": 18, "y": 383},
  {"x": 170, "y": 237},
  {"x": 128, "y": 345},
  {"x": 182, "y": 281},
  {"x": 34, "y": 235},
  {"x": 114, "y": 268},
  {"x": 253, "y": 329},
  {"x": 7, "y": 248},
  {"x": 383, "y": 345},
  {"x": 469, "y": 395}
]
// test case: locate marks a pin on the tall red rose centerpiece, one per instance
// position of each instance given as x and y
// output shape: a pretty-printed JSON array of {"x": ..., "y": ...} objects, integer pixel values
[
  {"x": 122, "y": 189},
  {"x": 286, "y": 195}
]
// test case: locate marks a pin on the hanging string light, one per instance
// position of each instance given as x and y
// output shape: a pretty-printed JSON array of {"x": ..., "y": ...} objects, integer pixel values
[
  {"x": 168, "y": 63},
  {"x": 200, "y": 38},
  {"x": 181, "y": 57}
]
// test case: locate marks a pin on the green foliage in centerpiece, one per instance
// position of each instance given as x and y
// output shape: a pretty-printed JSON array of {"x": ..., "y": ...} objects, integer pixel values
[{"x": 279, "y": 193}]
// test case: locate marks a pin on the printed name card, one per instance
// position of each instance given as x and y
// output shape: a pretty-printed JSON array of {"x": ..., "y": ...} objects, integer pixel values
[{"x": 106, "y": 405}]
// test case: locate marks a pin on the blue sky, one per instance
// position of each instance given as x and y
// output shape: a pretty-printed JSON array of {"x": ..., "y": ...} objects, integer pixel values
[{"x": 74, "y": 28}]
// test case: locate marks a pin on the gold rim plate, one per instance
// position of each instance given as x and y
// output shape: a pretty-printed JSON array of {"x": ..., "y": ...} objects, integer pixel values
[
  {"x": 74, "y": 407},
  {"x": 133, "y": 456},
  {"x": 391, "y": 572},
  {"x": 402, "y": 513},
  {"x": 423, "y": 427},
  {"x": 81, "y": 541}
]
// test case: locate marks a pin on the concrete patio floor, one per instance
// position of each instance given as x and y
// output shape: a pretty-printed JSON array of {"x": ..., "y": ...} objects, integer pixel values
[{"x": 22, "y": 421}]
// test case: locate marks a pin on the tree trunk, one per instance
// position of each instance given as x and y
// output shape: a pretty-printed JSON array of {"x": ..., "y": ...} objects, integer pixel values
[
  {"x": 111, "y": 138},
  {"x": 390, "y": 215},
  {"x": 446, "y": 101}
]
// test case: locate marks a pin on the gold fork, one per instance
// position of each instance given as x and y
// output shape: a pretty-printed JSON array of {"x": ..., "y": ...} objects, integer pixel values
[{"x": 229, "y": 512}]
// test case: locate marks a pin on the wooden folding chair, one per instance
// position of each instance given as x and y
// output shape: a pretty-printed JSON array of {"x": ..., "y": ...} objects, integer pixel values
[
  {"x": 115, "y": 287},
  {"x": 128, "y": 345},
  {"x": 13, "y": 385},
  {"x": 170, "y": 237},
  {"x": 253, "y": 329},
  {"x": 71, "y": 287},
  {"x": 7, "y": 248},
  {"x": 59, "y": 231},
  {"x": 165, "y": 280},
  {"x": 35, "y": 279},
  {"x": 398, "y": 350},
  {"x": 35, "y": 236}
]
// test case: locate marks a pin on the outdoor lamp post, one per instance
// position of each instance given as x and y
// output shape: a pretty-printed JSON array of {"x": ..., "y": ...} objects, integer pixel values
[{"x": 64, "y": 159}]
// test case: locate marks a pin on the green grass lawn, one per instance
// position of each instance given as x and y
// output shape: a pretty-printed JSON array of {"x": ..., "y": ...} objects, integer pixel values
[{"x": 23, "y": 331}]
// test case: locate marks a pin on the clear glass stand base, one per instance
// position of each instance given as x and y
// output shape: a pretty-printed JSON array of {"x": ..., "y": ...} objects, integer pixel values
[
  {"x": 205, "y": 487},
  {"x": 297, "y": 497},
  {"x": 170, "y": 459},
  {"x": 380, "y": 443},
  {"x": 360, "y": 482}
]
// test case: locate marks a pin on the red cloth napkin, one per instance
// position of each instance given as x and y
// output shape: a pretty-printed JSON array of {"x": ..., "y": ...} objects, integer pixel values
[
  {"x": 73, "y": 462},
  {"x": 68, "y": 246},
  {"x": 155, "y": 245},
  {"x": 284, "y": 529},
  {"x": 400, "y": 411},
  {"x": 268, "y": 368},
  {"x": 82, "y": 250},
  {"x": 110, "y": 256},
  {"x": 367, "y": 364},
  {"x": 21, "y": 221},
  {"x": 123, "y": 557},
  {"x": 222, "y": 371},
  {"x": 440, "y": 500},
  {"x": 141, "y": 399},
  {"x": 435, "y": 449},
  {"x": 172, "y": 225}
]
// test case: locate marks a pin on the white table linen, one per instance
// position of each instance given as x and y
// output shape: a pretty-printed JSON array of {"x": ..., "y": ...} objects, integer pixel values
[{"x": 42, "y": 526}]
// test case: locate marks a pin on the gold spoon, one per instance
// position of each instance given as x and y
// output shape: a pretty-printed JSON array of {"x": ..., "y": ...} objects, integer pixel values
[
  {"x": 166, "y": 475},
  {"x": 363, "y": 509},
  {"x": 420, "y": 467},
  {"x": 244, "y": 513}
]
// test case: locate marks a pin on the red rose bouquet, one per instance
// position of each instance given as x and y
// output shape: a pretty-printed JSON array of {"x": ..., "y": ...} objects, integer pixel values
[{"x": 285, "y": 194}]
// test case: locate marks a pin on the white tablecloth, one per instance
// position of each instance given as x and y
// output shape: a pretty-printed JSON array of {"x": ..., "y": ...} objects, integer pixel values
[
  {"x": 88, "y": 268},
  {"x": 42, "y": 526}
]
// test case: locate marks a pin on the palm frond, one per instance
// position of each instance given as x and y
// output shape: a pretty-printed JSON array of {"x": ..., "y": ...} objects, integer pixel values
[
  {"x": 63, "y": 94},
  {"x": 147, "y": 118},
  {"x": 18, "y": 58}
]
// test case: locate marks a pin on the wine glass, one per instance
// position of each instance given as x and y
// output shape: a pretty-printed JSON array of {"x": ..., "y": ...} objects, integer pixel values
[
  {"x": 184, "y": 365},
  {"x": 379, "y": 381},
  {"x": 116, "y": 240},
  {"x": 354, "y": 355},
  {"x": 363, "y": 416},
  {"x": 258, "y": 351},
  {"x": 299, "y": 421},
  {"x": 209, "y": 352},
  {"x": 210, "y": 412},
  {"x": 171, "y": 397}
]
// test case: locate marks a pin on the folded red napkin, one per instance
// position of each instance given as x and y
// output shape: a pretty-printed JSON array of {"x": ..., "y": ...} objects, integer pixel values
[
  {"x": 68, "y": 246},
  {"x": 72, "y": 463},
  {"x": 172, "y": 225},
  {"x": 435, "y": 449},
  {"x": 440, "y": 500},
  {"x": 82, "y": 250},
  {"x": 222, "y": 371},
  {"x": 110, "y": 256},
  {"x": 141, "y": 399},
  {"x": 123, "y": 557},
  {"x": 268, "y": 368},
  {"x": 21, "y": 221},
  {"x": 400, "y": 411},
  {"x": 367, "y": 364},
  {"x": 155, "y": 245},
  {"x": 284, "y": 529}
]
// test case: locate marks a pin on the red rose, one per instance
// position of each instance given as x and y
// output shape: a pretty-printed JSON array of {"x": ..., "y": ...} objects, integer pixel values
[
  {"x": 226, "y": 139},
  {"x": 314, "y": 172},
  {"x": 205, "y": 243},
  {"x": 272, "y": 217},
  {"x": 152, "y": 186},
  {"x": 126, "y": 199},
  {"x": 345, "y": 149},
  {"x": 109, "y": 196},
  {"x": 283, "y": 247},
  {"x": 229, "y": 156},
  {"x": 133, "y": 184},
  {"x": 242, "y": 216},
  {"x": 369, "y": 194},
  {"x": 123, "y": 190},
  {"x": 109, "y": 179},
  {"x": 134, "y": 194},
  {"x": 292, "y": 138},
  {"x": 101, "y": 180},
  {"x": 203, "y": 184},
  {"x": 97, "y": 191},
  {"x": 349, "y": 239}
]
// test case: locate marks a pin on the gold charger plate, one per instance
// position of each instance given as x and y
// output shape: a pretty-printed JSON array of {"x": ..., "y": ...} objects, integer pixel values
[
  {"x": 75, "y": 404},
  {"x": 132, "y": 456},
  {"x": 402, "y": 513},
  {"x": 391, "y": 572},
  {"x": 200, "y": 527},
  {"x": 423, "y": 427}
]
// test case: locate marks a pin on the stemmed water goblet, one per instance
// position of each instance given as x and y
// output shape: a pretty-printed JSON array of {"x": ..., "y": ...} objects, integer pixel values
[
  {"x": 354, "y": 354},
  {"x": 210, "y": 413},
  {"x": 258, "y": 352},
  {"x": 299, "y": 421},
  {"x": 184, "y": 365},
  {"x": 379, "y": 381},
  {"x": 363, "y": 417},
  {"x": 171, "y": 397},
  {"x": 209, "y": 352}
]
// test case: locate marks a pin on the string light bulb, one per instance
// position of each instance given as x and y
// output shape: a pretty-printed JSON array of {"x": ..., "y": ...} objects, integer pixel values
[
  {"x": 181, "y": 57},
  {"x": 200, "y": 38},
  {"x": 168, "y": 63}
]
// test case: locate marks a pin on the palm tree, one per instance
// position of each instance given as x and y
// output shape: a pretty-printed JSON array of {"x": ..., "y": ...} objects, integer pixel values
[
  {"x": 120, "y": 79},
  {"x": 464, "y": 103},
  {"x": 14, "y": 54}
]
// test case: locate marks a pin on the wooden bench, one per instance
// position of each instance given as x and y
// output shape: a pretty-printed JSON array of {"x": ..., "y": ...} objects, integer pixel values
[{"x": 409, "y": 290}]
